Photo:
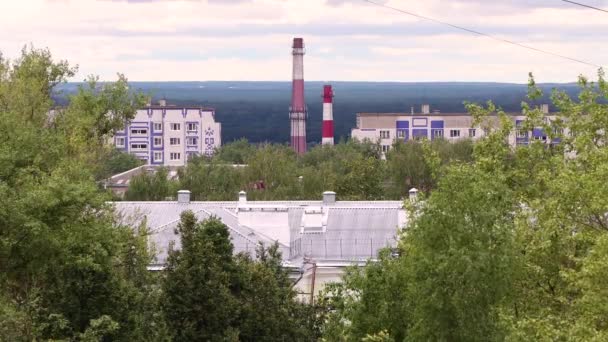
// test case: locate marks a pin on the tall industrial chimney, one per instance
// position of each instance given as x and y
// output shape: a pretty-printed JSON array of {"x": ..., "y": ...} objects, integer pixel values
[
  {"x": 328, "y": 116},
  {"x": 297, "y": 111}
]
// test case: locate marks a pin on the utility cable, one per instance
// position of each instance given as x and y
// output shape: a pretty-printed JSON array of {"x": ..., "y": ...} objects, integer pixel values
[
  {"x": 585, "y": 5},
  {"x": 482, "y": 34}
]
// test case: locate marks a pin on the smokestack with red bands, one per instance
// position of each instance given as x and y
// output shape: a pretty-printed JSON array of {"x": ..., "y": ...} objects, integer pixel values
[
  {"x": 298, "y": 111},
  {"x": 328, "y": 116}
]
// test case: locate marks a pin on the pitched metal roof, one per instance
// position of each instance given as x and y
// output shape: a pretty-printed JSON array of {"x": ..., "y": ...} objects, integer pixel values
[{"x": 344, "y": 231}]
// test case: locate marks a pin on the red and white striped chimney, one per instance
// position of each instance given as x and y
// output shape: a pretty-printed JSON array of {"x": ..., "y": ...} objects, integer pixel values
[
  {"x": 328, "y": 116},
  {"x": 297, "y": 111}
]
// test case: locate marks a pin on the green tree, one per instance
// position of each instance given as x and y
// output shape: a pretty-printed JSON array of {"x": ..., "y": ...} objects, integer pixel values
[
  {"x": 408, "y": 168},
  {"x": 117, "y": 162},
  {"x": 511, "y": 246},
  {"x": 276, "y": 167},
  {"x": 64, "y": 257},
  {"x": 269, "y": 309},
  {"x": 563, "y": 228},
  {"x": 361, "y": 179},
  {"x": 150, "y": 187},
  {"x": 236, "y": 152},
  {"x": 198, "y": 300},
  {"x": 459, "y": 258},
  {"x": 211, "y": 295},
  {"x": 370, "y": 300},
  {"x": 210, "y": 180}
]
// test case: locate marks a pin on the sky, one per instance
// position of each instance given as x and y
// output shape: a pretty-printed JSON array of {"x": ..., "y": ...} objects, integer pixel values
[{"x": 346, "y": 40}]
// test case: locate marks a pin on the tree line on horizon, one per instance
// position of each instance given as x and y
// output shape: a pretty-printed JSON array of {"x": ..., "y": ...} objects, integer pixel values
[
  {"x": 259, "y": 112},
  {"x": 504, "y": 244}
]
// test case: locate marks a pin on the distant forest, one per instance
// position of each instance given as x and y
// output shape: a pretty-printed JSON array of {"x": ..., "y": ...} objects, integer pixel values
[{"x": 258, "y": 111}]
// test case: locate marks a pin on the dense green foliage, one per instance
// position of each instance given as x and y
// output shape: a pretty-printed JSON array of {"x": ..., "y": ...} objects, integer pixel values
[
  {"x": 150, "y": 187},
  {"x": 211, "y": 295},
  {"x": 118, "y": 162},
  {"x": 68, "y": 269},
  {"x": 509, "y": 247},
  {"x": 354, "y": 170}
]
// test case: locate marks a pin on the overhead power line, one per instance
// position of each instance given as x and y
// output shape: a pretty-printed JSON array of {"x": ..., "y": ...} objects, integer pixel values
[
  {"x": 585, "y": 5},
  {"x": 482, "y": 34}
]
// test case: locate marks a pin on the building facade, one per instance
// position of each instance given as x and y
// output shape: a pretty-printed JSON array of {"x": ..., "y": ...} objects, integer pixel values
[
  {"x": 170, "y": 135},
  {"x": 386, "y": 128}
]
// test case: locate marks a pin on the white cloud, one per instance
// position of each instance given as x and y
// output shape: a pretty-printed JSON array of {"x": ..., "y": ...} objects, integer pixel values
[{"x": 346, "y": 39}]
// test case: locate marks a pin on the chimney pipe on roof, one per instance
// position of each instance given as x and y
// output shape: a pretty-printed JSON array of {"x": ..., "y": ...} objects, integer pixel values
[
  {"x": 544, "y": 108},
  {"x": 183, "y": 196},
  {"x": 242, "y": 197},
  {"x": 329, "y": 198},
  {"x": 413, "y": 194},
  {"x": 162, "y": 102},
  {"x": 426, "y": 109}
]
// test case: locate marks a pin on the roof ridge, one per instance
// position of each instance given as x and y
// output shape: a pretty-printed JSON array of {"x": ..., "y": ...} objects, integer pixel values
[
  {"x": 161, "y": 227},
  {"x": 230, "y": 226}
]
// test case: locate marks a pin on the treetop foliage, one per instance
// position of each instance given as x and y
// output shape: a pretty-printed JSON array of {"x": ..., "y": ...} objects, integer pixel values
[
  {"x": 353, "y": 169},
  {"x": 242, "y": 299},
  {"x": 68, "y": 269},
  {"x": 509, "y": 246}
]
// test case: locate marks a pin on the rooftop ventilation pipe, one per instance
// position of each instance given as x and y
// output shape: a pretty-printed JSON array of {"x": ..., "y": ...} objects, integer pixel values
[
  {"x": 413, "y": 194},
  {"x": 183, "y": 196},
  {"x": 329, "y": 198},
  {"x": 426, "y": 109},
  {"x": 544, "y": 108},
  {"x": 242, "y": 197},
  {"x": 162, "y": 102}
]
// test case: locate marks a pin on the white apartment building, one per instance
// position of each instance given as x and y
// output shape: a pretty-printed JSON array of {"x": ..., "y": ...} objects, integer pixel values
[
  {"x": 170, "y": 135},
  {"x": 386, "y": 128}
]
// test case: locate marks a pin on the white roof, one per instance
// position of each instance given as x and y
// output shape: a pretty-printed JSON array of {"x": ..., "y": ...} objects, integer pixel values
[{"x": 351, "y": 231}]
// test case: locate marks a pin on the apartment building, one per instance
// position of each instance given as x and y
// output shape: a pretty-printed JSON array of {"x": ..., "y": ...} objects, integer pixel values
[
  {"x": 169, "y": 135},
  {"x": 386, "y": 128}
]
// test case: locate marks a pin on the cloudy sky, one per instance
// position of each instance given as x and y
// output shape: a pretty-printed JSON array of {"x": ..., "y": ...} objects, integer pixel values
[{"x": 183, "y": 40}]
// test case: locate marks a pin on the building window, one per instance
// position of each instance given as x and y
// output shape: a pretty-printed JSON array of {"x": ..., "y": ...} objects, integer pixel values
[
  {"x": 541, "y": 138},
  {"x": 401, "y": 133},
  {"x": 385, "y": 134},
  {"x": 158, "y": 126},
  {"x": 385, "y": 148},
  {"x": 454, "y": 133},
  {"x": 120, "y": 142},
  {"x": 158, "y": 156},
  {"x": 522, "y": 134},
  {"x": 174, "y": 141},
  {"x": 158, "y": 141},
  {"x": 175, "y": 127},
  {"x": 191, "y": 141},
  {"x": 191, "y": 126},
  {"x": 472, "y": 132},
  {"x": 175, "y": 156},
  {"x": 139, "y": 131},
  {"x": 437, "y": 133},
  {"x": 139, "y": 146},
  {"x": 486, "y": 131}
]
